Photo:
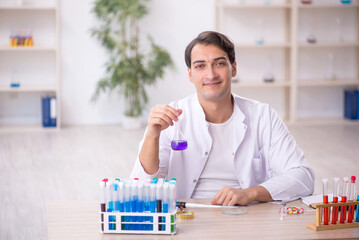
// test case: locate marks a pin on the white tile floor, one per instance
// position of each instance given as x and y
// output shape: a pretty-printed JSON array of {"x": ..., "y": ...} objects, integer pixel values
[{"x": 39, "y": 166}]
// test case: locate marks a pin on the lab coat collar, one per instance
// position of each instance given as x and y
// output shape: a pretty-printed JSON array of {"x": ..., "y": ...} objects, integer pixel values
[{"x": 239, "y": 127}]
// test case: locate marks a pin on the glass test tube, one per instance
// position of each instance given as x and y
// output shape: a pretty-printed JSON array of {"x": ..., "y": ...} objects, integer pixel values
[
  {"x": 102, "y": 201},
  {"x": 351, "y": 199},
  {"x": 325, "y": 200},
  {"x": 335, "y": 200},
  {"x": 345, "y": 193}
]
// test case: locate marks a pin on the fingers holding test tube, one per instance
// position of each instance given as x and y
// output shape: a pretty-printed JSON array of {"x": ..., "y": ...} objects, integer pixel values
[{"x": 161, "y": 117}]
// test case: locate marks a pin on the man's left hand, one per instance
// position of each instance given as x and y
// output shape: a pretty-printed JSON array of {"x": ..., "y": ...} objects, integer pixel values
[{"x": 230, "y": 196}]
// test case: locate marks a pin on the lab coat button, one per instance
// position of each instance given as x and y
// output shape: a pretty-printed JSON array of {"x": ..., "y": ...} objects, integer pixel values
[
  {"x": 194, "y": 180},
  {"x": 206, "y": 153}
]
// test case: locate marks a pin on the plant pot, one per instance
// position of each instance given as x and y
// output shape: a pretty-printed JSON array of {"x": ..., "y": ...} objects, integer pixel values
[{"x": 131, "y": 123}]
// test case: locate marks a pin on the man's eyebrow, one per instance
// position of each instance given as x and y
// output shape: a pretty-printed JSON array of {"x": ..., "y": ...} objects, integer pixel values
[
  {"x": 199, "y": 61},
  {"x": 202, "y": 61},
  {"x": 219, "y": 58}
]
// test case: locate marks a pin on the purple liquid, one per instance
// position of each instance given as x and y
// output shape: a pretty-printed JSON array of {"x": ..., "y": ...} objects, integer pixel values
[{"x": 179, "y": 145}]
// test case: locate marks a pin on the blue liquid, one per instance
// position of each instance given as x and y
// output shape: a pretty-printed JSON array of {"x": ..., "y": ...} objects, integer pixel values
[
  {"x": 357, "y": 217},
  {"x": 179, "y": 145},
  {"x": 134, "y": 208},
  {"x": 121, "y": 206},
  {"x": 153, "y": 206},
  {"x": 110, "y": 218},
  {"x": 346, "y": 1},
  {"x": 128, "y": 209},
  {"x": 141, "y": 209},
  {"x": 147, "y": 206},
  {"x": 165, "y": 208}
]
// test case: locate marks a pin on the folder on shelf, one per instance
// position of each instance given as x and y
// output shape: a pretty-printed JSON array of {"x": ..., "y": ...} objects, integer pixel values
[
  {"x": 49, "y": 112},
  {"x": 351, "y": 104}
]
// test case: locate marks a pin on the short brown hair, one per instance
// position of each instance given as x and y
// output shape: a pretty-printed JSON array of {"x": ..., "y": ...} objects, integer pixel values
[{"x": 211, "y": 38}]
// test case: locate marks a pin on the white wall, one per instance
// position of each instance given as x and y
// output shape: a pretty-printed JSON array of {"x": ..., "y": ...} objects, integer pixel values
[{"x": 172, "y": 24}]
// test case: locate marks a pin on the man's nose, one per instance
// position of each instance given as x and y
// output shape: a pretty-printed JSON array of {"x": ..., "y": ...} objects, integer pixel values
[{"x": 211, "y": 73}]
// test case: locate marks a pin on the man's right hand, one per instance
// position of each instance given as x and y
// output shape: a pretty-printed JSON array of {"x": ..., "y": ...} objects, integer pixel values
[{"x": 161, "y": 117}]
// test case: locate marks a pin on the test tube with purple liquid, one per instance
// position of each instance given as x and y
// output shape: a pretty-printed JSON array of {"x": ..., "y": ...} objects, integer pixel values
[{"x": 178, "y": 143}]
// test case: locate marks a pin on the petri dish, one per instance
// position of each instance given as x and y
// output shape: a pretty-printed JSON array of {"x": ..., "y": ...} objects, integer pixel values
[{"x": 234, "y": 211}]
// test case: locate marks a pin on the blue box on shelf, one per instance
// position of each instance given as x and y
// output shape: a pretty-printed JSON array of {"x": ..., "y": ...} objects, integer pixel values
[
  {"x": 49, "y": 112},
  {"x": 351, "y": 104}
]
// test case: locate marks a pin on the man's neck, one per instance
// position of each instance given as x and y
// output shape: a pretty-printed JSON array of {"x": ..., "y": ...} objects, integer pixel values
[{"x": 219, "y": 111}]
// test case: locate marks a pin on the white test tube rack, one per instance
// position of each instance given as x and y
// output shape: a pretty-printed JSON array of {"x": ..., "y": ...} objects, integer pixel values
[{"x": 122, "y": 225}]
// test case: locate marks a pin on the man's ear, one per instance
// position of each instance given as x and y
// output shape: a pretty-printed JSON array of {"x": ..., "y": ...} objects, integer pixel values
[
  {"x": 234, "y": 69},
  {"x": 189, "y": 74}
]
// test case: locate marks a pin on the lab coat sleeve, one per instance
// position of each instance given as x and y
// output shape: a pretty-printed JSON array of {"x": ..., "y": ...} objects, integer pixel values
[
  {"x": 293, "y": 177},
  {"x": 164, "y": 155}
]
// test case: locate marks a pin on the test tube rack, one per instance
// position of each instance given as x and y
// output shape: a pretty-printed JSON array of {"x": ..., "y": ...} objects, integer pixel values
[
  {"x": 138, "y": 223},
  {"x": 319, "y": 224}
]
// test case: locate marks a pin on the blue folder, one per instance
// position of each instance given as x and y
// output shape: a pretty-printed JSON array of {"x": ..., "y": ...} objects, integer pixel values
[
  {"x": 49, "y": 112},
  {"x": 351, "y": 104}
]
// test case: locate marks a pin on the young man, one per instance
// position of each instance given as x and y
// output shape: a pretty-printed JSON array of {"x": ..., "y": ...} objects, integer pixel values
[{"x": 239, "y": 150}]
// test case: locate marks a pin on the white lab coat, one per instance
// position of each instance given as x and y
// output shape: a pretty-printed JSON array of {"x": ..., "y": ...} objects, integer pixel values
[{"x": 264, "y": 151}]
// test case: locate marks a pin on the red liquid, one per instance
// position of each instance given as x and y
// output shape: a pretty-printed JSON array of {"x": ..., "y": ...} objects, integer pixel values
[
  {"x": 335, "y": 211},
  {"x": 350, "y": 213},
  {"x": 326, "y": 211},
  {"x": 343, "y": 211}
]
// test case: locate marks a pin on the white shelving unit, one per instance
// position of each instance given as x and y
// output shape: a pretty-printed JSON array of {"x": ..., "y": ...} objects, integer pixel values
[
  {"x": 286, "y": 43},
  {"x": 37, "y": 68}
]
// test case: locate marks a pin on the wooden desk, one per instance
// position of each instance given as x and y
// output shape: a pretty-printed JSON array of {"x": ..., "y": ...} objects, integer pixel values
[{"x": 80, "y": 220}]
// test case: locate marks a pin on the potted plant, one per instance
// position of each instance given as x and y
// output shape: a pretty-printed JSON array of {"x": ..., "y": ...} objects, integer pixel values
[{"x": 129, "y": 70}]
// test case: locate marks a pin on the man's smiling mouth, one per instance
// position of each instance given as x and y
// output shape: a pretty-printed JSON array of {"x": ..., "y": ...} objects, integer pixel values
[{"x": 214, "y": 83}]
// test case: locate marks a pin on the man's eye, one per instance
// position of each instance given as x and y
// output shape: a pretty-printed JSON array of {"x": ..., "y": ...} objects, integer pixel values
[
  {"x": 221, "y": 64},
  {"x": 199, "y": 66}
]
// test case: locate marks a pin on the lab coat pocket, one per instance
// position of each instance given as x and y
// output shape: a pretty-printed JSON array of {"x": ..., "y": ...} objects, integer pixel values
[{"x": 259, "y": 169}]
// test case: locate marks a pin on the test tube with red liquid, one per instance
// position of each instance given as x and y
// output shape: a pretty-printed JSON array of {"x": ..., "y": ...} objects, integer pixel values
[
  {"x": 325, "y": 200},
  {"x": 344, "y": 196},
  {"x": 351, "y": 199},
  {"x": 335, "y": 200}
]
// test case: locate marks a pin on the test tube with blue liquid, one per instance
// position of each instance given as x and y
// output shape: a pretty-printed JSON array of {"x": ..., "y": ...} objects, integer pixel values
[
  {"x": 128, "y": 203},
  {"x": 109, "y": 204},
  {"x": 102, "y": 202},
  {"x": 134, "y": 202},
  {"x": 141, "y": 204},
  {"x": 179, "y": 142},
  {"x": 153, "y": 202}
]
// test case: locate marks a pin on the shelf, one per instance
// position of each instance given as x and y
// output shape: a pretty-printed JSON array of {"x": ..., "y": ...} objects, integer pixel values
[
  {"x": 328, "y": 44},
  {"x": 248, "y": 6},
  {"x": 322, "y": 82},
  {"x": 25, "y": 49},
  {"x": 328, "y": 5},
  {"x": 290, "y": 49},
  {"x": 256, "y": 83},
  {"x": 265, "y": 45},
  {"x": 325, "y": 121},
  {"x": 28, "y": 7},
  {"x": 28, "y": 89}
]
